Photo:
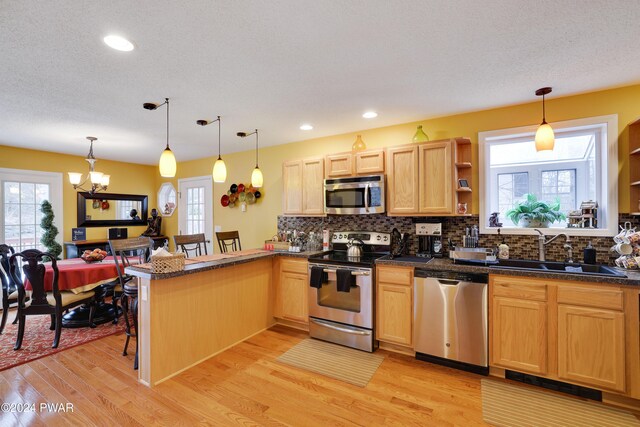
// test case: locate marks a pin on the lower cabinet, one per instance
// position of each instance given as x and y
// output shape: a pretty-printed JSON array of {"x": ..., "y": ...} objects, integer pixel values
[
  {"x": 576, "y": 332},
  {"x": 394, "y": 307},
  {"x": 291, "y": 289}
]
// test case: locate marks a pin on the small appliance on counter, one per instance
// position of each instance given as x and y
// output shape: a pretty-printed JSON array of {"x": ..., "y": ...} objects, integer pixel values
[{"x": 429, "y": 240}]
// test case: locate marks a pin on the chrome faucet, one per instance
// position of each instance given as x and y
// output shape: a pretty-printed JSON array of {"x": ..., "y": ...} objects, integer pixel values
[{"x": 542, "y": 242}]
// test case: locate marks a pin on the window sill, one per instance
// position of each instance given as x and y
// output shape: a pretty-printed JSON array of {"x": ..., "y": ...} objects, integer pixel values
[{"x": 594, "y": 232}]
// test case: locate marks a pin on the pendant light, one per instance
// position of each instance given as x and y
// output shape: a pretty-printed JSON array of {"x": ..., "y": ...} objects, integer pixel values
[
  {"x": 420, "y": 136},
  {"x": 99, "y": 181},
  {"x": 359, "y": 144},
  {"x": 545, "y": 139},
  {"x": 167, "y": 162},
  {"x": 256, "y": 176},
  {"x": 219, "y": 171}
]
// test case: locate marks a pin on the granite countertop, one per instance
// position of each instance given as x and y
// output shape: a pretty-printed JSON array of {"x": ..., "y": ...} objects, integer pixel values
[
  {"x": 632, "y": 279},
  {"x": 146, "y": 273}
]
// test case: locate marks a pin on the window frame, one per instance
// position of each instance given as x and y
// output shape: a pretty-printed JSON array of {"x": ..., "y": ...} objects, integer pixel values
[
  {"x": 608, "y": 183},
  {"x": 53, "y": 179}
]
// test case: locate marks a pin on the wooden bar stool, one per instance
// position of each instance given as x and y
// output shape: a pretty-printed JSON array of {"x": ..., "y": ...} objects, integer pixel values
[
  {"x": 191, "y": 243},
  {"x": 228, "y": 240}
]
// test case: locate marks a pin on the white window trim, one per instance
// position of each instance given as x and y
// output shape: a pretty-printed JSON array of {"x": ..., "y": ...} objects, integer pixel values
[
  {"x": 54, "y": 179},
  {"x": 609, "y": 182}
]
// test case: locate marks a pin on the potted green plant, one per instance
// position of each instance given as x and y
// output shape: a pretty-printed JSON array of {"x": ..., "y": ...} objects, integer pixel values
[{"x": 533, "y": 213}]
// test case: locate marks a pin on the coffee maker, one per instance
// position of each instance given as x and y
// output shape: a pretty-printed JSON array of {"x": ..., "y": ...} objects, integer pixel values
[{"x": 429, "y": 240}]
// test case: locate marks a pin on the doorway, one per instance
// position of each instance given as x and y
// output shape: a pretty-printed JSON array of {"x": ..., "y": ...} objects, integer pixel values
[{"x": 195, "y": 213}]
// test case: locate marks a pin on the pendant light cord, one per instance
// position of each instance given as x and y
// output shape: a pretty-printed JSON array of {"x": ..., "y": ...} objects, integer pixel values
[
  {"x": 544, "y": 120},
  {"x": 256, "y": 148},
  {"x": 166, "y": 101},
  {"x": 219, "y": 125}
]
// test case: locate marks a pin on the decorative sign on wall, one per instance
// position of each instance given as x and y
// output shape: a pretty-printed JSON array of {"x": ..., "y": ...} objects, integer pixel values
[{"x": 239, "y": 195}]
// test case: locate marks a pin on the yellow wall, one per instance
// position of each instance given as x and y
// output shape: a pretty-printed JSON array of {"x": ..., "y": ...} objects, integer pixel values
[
  {"x": 260, "y": 220},
  {"x": 127, "y": 178}
]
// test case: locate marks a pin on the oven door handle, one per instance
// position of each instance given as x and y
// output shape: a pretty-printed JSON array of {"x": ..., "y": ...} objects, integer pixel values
[
  {"x": 353, "y": 273},
  {"x": 338, "y": 328}
]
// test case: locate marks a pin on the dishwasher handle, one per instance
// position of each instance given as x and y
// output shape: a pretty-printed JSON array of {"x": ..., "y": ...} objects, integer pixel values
[{"x": 451, "y": 276}]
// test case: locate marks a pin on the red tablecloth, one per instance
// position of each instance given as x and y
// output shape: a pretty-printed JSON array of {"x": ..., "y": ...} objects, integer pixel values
[{"x": 74, "y": 273}]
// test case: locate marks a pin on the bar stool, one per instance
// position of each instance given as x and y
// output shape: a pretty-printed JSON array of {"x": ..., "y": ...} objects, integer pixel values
[
  {"x": 130, "y": 297},
  {"x": 228, "y": 240}
]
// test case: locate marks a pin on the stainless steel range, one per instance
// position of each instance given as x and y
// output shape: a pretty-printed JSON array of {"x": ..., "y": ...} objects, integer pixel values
[{"x": 341, "y": 292}]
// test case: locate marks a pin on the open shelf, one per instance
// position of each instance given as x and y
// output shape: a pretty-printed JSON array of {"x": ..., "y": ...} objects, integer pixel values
[
  {"x": 463, "y": 190},
  {"x": 636, "y": 151},
  {"x": 463, "y": 165},
  {"x": 634, "y": 183}
]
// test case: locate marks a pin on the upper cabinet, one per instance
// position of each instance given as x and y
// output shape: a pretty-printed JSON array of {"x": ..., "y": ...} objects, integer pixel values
[
  {"x": 402, "y": 180},
  {"x": 426, "y": 178},
  {"x": 435, "y": 182},
  {"x": 369, "y": 162},
  {"x": 302, "y": 187}
]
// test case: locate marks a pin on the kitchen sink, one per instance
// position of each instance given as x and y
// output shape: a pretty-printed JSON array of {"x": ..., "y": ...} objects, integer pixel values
[{"x": 558, "y": 267}]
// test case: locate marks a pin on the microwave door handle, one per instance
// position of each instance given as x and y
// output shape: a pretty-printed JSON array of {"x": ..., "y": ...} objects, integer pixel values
[{"x": 366, "y": 198}]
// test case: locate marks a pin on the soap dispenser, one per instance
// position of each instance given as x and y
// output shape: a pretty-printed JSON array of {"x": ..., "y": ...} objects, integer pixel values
[
  {"x": 503, "y": 248},
  {"x": 589, "y": 254}
]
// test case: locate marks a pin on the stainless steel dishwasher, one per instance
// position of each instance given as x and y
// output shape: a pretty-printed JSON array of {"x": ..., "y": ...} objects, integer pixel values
[{"x": 450, "y": 319}]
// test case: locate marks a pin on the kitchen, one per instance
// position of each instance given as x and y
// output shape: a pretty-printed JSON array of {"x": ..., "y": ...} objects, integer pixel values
[{"x": 388, "y": 137}]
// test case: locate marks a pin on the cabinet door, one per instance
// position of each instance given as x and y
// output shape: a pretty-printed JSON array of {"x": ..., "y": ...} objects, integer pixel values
[
  {"x": 339, "y": 165},
  {"x": 519, "y": 335},
  {"x": 312, "y": 186},
  {"x": 394, "y": 313},
  {"x": 293, "y": 296},
  {"x": 292, "y": 187},
  {"x": 369, "y": 162},
  {"x": 591, "y": 346},
  {"x": 436, "y": 185},
  {"x": 402, "y": 180}
]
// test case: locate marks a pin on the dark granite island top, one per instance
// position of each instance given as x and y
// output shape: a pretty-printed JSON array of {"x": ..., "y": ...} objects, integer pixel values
[{"x": 632, "y": 279}]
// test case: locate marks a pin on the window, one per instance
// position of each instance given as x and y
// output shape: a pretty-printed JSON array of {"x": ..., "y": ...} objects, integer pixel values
[
  {"x": 123, "y": 209},
  {"x": 21, "y": 193},
  {"x": 581, "y": 167}
]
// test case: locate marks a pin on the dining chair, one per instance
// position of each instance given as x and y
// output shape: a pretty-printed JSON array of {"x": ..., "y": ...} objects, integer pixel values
[
  {"x": 53, "y": 302},
  {"x": 228, "y": 240},
  {"x": 124, "y": 251},
  {"x": 9, "y": 288},
  {"x": 188, "y": 243}
]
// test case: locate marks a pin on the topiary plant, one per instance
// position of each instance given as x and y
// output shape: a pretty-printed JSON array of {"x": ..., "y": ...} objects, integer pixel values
[
  {"x": 50, "y": 231},
  {"x": 531, "y": 212}
]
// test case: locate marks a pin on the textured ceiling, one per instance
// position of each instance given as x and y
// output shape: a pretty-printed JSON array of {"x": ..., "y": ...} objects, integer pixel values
[{"x": 274, "y": 65}]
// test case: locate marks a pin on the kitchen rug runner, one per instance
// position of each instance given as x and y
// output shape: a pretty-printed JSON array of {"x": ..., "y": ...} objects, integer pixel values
[
  {"x": 514, "y": 405},
  {"x": 341, "y": 363},
  {"x": 38, "y": 339}
]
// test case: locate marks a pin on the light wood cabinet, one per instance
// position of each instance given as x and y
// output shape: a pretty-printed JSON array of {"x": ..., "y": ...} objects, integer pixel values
[
  {"x": 302, "y": 192},
  {"x": 291, "y": 290},
  {"x": 591, "y": 348},
  {"x": 576, "y": 332},
  {"x": 402, "y": 180},
  {"x": 423, "y": 178},
  {"x": 519, "y": 335},
  {"x": 368, "y": 162},
  {"x": 435, "y": 178},
  {"x": 312, "y": 187},
  {"x": 339, "y": 165},
  {"x": 394, "y": 308}
]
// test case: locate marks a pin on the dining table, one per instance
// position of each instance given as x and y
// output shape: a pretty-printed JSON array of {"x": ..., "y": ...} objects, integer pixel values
[{"x": 77, "y": 276}]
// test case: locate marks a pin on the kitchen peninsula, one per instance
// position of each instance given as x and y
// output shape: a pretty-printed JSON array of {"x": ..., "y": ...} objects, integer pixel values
[{"x": 189, "y": 316}]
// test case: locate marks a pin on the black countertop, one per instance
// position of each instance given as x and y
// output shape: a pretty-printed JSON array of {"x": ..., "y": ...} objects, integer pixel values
[{"x": 446, "y": 264}]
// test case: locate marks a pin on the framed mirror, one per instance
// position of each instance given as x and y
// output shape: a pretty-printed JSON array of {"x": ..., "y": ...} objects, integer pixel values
[
  {"x": 167, "y": 199},
  {"x": 110, "y": 209}
]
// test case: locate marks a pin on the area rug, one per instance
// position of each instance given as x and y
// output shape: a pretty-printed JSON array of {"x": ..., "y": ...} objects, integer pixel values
[
  {"x": 513, "y": 405},
  {"x": 341, "y": 363},
  {"x": 38, "y": 339}
]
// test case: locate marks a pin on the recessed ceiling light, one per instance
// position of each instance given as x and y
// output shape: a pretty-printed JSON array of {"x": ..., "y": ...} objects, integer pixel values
[
  {"x": 370, "y": 115},
  {"x": 118, "y": 43},
  {"x": 306, "y": 126}
]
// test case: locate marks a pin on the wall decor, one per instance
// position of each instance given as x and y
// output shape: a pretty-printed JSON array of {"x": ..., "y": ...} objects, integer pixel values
[
  {"x": 167, "y": 199},
  {"x": 240, "y": 195}
]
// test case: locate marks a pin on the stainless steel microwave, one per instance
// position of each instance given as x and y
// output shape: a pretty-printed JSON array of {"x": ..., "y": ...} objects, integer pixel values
[{"x": 354, "y": 195}]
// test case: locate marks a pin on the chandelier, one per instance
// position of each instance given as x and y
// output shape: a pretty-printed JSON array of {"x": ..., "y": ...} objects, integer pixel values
[{"x": 98, "y": 180}]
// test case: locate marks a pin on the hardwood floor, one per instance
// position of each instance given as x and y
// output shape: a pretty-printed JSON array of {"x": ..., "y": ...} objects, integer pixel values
[{"x": 244, "y": 385}]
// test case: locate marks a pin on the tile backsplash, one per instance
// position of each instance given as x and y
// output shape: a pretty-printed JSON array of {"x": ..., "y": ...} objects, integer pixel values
[{"x": 522, "y": 247}]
